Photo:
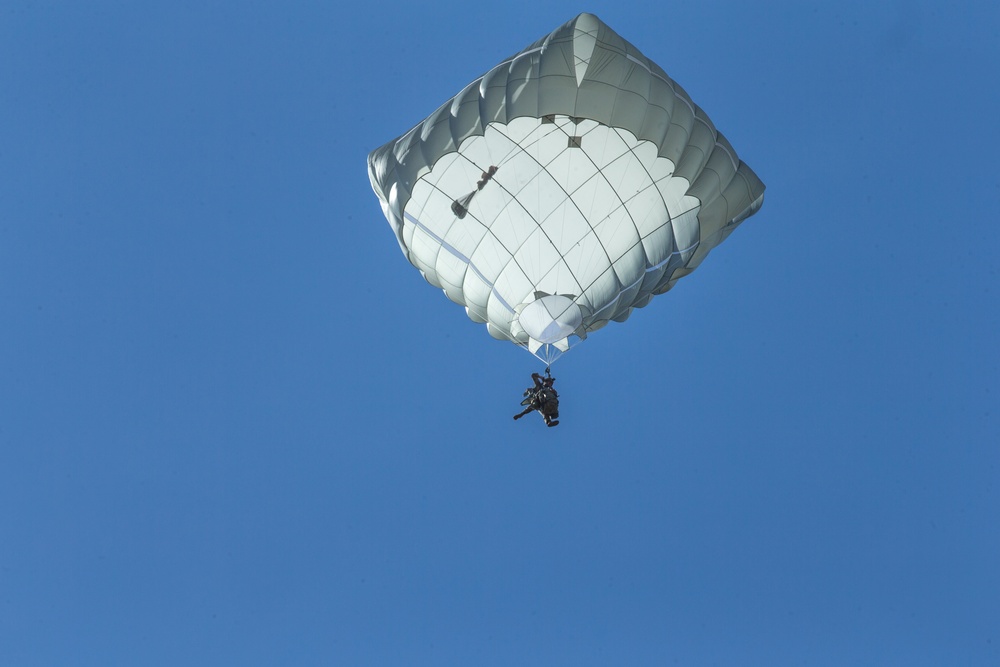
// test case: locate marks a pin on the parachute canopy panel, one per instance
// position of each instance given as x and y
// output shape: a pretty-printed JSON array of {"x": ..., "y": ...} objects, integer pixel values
[{"x": 562, "y": 189}]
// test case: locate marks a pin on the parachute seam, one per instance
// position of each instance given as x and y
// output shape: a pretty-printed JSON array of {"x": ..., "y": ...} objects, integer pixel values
[
  {"x": 519, "y": 149},
  {"x": 451, "y": 224},
  {"x": 466, "y": 162},
  {"x": 621, "y": 205},
  {"x": 458, "y": 254},
  {"x": 488, "y": 227},
  {"x": 631, "y": 151},
  {"x": 669, "y": 221},
  {"x": 611, "y": 264},
  {"x": 567, "y": 197},
  {"x": 667, "y": 80},
  {"x": 586, "y": 219}
]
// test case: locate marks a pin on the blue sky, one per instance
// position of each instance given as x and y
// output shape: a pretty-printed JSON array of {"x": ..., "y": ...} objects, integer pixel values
[{"x": 239, "y": 428}]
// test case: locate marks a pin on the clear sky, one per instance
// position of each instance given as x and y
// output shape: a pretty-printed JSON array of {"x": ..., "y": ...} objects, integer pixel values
[{"x": 237, "y": 427}]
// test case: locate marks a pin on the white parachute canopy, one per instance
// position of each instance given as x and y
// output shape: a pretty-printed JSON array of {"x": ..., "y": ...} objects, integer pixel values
[{"x": 566, "y": 186}]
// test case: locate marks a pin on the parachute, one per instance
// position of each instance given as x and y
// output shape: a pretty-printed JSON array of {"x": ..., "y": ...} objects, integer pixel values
[{"x": 567, "y": 186}]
